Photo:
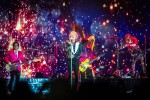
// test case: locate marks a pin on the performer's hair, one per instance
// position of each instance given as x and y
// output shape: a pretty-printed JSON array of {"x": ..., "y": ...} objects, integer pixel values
[
  {"x": 74, "y": 33},
  {"x": 15, "y": 43},
  {"x": 128, "y": 34}
]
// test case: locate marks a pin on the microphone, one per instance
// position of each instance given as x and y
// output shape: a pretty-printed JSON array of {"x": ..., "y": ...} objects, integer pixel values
[{"x": 71, "y": 39}]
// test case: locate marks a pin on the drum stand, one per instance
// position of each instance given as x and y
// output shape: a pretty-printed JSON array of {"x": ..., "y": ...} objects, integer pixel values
[
  {"x": 117, "y": 72},
  {"x": 136, "y": 74},
  {"x": 117, "y": 47}
]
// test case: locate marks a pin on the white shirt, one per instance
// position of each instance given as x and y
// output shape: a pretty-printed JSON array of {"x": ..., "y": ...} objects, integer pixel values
[{"x": 16, "y": 52}]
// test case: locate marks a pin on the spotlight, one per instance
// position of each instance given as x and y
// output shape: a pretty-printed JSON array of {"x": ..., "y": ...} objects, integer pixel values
[{"x": 44, "y": 62}]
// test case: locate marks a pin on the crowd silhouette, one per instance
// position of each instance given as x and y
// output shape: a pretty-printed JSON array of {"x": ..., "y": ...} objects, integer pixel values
[{"x": 59, "y": 89}]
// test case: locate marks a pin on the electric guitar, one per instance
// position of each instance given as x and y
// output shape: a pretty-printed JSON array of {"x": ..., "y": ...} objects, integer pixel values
[
  {"x": 14, "y": 66},
  {"x": 86, "y": 63}
]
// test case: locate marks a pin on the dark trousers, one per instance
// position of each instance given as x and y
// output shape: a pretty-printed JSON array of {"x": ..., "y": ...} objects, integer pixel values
[
  {"x": 75, "y": 68},
  {"x": 13, "y": 74},
  {"x": 87, "y": 74}
]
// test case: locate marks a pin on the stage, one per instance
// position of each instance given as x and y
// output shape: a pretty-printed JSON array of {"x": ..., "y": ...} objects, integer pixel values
[
  {"x": 115, "y": 48},
  {"x": 125, "y": 87}
]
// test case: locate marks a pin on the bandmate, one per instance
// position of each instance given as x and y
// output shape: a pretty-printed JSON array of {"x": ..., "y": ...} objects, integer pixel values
[
  {"x": 14, "y": 56},
  {"x": 87, "y": 55},
  {"x": 74, "y": 50},
  {"x": 148, "y": 57},
  {"x": 133, "y": 47},
  {"x": 87, "y": 59}
]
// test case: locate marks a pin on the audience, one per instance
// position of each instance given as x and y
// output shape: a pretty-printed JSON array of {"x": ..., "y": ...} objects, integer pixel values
[{"x": 59, "y": 89}]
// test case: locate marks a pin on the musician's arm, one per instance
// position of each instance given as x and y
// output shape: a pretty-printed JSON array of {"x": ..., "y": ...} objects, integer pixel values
[
  {"x": 129, "y": 45},
  {"x": 67, "y": 49},
  {"x": 22, "y": 58},
  {"x": 132, "y": 44},
  {"x": 134, "y": 41}
]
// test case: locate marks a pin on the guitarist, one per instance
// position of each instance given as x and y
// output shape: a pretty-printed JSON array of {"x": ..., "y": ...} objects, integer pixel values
[
  {"x": 132, "y": 45},
  {"x": 87, "y": 53},
  {"x": 14, "y": 55}
]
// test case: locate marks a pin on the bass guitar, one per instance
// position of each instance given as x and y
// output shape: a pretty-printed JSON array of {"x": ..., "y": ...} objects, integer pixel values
[{"x": 14, "y": 65}]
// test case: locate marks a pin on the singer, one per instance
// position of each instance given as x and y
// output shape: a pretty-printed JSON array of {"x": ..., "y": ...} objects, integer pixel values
[{"x": 73, "y": 50}]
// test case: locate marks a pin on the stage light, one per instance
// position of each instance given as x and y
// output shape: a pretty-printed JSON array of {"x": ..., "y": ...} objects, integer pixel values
[
  {"x": 128, "y": 69},
  {"x": 66, "y": 20},
  {"x": 107, "y": 21},
  {"x": 114, "y": 55},
  {"x": 101, "y": 67},
  {"x": 97, "y": 69},
  {"x": 137, "y": 20},
  {"x": 104, "y": 6},
  {"x": 115, "y": 5},
  {"x": 103, "y": 46},
  {"x": 111, "y": 7},
  {"x": 5, "y": 32},
  {"x": 104, "y": 23},
  {"x": 18, "y": 27},
  {"x": 64, "y": 4}
]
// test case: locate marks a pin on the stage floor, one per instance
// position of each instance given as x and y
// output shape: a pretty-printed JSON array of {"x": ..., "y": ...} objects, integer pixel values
[
  {"x": 110, "y": 88},
  {"x": 129, "y": 84}
]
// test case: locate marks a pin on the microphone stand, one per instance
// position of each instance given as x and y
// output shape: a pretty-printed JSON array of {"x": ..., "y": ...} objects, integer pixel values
[
  {"x": 71, "y": 63},
  {"x": 145, "y": 56},
  {"x": 117, "y": 47}
]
